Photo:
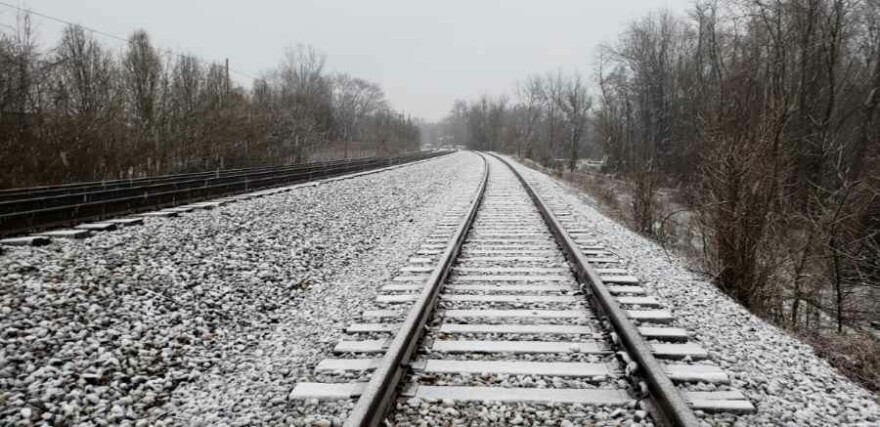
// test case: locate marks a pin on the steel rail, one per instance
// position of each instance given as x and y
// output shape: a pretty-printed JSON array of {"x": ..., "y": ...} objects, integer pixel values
[
  {"x": 95, "y": 195},
  {"x": 666, "y": 399},
  {"x": 20, "y": 222},
  {"x": 380, "y": 391},
  {"x": 19, "y": 195},
  {"x": 48, "y": 190},
  {"x": 133, "y": 201}
]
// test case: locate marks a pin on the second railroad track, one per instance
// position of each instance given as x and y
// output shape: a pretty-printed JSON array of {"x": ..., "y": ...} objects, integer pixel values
[
  {"x": 506, "y": 302},
  {"x": 25, "y": 210}
]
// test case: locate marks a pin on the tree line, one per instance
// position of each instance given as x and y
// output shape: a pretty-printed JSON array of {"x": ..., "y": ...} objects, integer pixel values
[
  {"x": 762, "y": 114},
  {"x": 547, "y": 119},
  {"x": 80, "y": 111},
  {"x": 765, "y": 112}
]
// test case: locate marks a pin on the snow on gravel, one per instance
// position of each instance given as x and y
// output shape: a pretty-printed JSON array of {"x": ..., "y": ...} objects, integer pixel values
[
  {"x": 781, "y": 375},
  {"x": 209, "y": 318}
]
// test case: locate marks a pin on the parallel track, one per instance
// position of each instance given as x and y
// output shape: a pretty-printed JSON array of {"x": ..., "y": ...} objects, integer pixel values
[
  {"x": 503, "y": 288},
  {"x": 39, "y": 208}
]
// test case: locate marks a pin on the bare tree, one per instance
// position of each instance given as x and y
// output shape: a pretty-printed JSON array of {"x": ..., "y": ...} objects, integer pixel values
[
  {"x": 529, "y": 94},
  {"x": 354, "y": 99},
  {"x": 575, "y": 104},
  {"x": 552, "y": 98},
  {"x": 303, "y": 107},
  {"x": 86, "y": 101},
  {"x": 142, "y": 71}
]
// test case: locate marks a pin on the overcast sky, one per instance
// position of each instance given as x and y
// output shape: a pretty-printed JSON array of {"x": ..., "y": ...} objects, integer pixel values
[{"x": 425, "y": 54}]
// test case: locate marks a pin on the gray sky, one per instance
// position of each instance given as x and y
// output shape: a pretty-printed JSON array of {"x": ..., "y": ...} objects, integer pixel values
[{"x": 425, "y": 54}]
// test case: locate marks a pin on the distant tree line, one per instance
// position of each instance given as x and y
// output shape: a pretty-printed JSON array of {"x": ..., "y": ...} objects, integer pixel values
[
  {"x": 81, "y": 111},
  {"x": 548, "y": 119},
  {"x": 764, "y": 115}
]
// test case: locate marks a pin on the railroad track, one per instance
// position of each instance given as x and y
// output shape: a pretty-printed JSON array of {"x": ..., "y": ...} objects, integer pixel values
[
  {"x": 506, "y": 302},
  {"x": 39, "y": 208}
]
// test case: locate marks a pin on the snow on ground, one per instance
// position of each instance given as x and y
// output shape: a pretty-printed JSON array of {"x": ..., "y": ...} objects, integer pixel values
[
  {"x": 209, "y": 318},
  {"x": 782, "y": 376}
]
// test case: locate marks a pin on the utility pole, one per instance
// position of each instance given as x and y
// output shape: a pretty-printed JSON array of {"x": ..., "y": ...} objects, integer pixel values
[{"x": 227, "y": 78}]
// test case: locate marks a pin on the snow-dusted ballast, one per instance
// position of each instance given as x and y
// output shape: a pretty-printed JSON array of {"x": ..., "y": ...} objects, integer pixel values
[{"x": 495, "y": 310}]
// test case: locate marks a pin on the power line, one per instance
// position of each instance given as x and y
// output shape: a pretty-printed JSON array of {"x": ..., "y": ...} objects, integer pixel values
[
  {"x": 102, "y": 33},
  {"x": 52, "y": 18}
]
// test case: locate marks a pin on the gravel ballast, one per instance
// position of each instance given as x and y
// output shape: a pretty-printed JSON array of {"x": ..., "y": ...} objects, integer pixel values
[
  {"x": 211, "y": 317},
  {"x": 782, "y": 376}
]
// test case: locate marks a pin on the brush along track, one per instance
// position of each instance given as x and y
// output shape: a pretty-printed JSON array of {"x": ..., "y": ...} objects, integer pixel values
[{"x": 500, "y": 318}]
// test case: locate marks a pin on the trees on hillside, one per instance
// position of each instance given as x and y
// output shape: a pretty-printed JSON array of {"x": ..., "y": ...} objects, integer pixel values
[{"x": 774, "y": 100}]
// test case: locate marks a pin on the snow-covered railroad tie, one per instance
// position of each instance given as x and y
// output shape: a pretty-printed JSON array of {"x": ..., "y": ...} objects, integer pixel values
[{"x": 493, "y": 312}]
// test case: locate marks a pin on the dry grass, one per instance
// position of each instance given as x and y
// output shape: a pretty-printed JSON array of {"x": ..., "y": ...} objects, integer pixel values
[
  {"x": 856, "y": 355},
  {"x": 607, "y": 191}
]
